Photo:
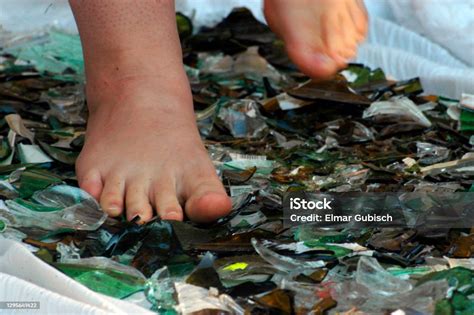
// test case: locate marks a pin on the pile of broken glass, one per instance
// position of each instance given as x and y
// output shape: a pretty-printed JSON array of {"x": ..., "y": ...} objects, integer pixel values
[{"x": 269, "y": 130}]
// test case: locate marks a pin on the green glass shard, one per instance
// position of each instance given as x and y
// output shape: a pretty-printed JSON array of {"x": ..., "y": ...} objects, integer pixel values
[
  {"x": 110, "y": 282},
  {"x": 35, "y": 207},
  {"x": 66, "y": 157},
  {"x": 361, "y": 75},
  {"x": 338, "y": 251},
  {"x": 7, "y": 169},
  {"x": 408, "y": 87},
  {"x": 181, "y": 270},
  {"x": 185, "y": 27},
  {"x": 462, "y": 304},
  {"x": 160, "y": 290},
  {"x": 54, "y": 53},
  {"x": 458, "y": 277},
  {"x": 108, "y": 285},
  {"x": 421, "y": 270},
  {"x": 3, "y": 226},
  {"x": 467, "y": 120},
  {"x": 32, "y": 180},
  {"x": 443, "y": 307},
  {"x": 54, "y": 123}
]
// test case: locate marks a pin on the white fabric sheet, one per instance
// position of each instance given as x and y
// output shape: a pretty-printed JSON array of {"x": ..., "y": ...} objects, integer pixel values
[{"x": 26, "y": 278}]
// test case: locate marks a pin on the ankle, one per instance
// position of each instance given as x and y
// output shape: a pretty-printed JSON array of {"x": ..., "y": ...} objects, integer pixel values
[{"x": 118, "y": 82}]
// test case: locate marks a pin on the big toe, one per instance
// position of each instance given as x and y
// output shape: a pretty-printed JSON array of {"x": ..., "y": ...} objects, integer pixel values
[
  {"x": 208, "y": 201},
  {"x": 313, "y": 62},
  {"x": 91, "y": 182}
]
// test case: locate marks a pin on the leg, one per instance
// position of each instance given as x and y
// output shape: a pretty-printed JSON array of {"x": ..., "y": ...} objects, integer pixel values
[
  {"x": 142, "y": 148},
  {"x": 320, "y": 35}
]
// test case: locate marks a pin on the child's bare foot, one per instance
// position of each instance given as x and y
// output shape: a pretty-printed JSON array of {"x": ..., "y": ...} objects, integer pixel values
[
  {"x": 320, "y": 35},
  {"x": 142, "y": 148}
]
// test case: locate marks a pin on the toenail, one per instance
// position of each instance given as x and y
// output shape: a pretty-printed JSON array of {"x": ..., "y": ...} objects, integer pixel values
[
  {"x": 113, "y": 209},
  {"x": 171, "y": 215},
  {"x": 341, "y": 59},
  {"x": 324, "y": 59},
  {"x": 171, "y": 212}
]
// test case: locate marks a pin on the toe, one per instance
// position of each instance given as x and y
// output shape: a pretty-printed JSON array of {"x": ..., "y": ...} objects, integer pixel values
[
  {"x": 358, "y": 14},
  {"x": 208, "y": 201},
  {"x": 350, "y": 52},
  {"x": 137, "y": 201},
  {"x": 350, "y": 49},
  {"x": 112, "y": 195},
  {"x": 333, "y": 38},
  {"x": 166, "y": 201},
  {"x": 315, "y": 63},
  {"x": 350, "y": 38},
  {"x": 91, "y": 182}
]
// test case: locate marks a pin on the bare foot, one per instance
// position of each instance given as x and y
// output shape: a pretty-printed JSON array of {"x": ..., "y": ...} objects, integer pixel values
[
  {"x": 143, "y": 151},
  {"x": 320, "y": 35}
]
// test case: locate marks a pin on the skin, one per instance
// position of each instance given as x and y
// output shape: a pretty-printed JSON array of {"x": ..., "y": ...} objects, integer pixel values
[
  {"x": 143, "y": 153},
  {"x": 320, "y": 35}
]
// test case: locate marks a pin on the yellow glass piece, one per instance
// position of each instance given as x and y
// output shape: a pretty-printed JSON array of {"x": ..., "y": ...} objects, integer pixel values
[{"x": 236, "y": 266}]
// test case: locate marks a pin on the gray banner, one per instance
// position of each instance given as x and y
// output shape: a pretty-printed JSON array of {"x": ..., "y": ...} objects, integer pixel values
[
  {"x": 19, "y": 305},
  {"x": 360, "y": 209}
]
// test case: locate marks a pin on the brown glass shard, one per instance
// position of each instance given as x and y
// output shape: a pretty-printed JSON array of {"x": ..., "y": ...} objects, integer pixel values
[{"x": 335, "y": 91}]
